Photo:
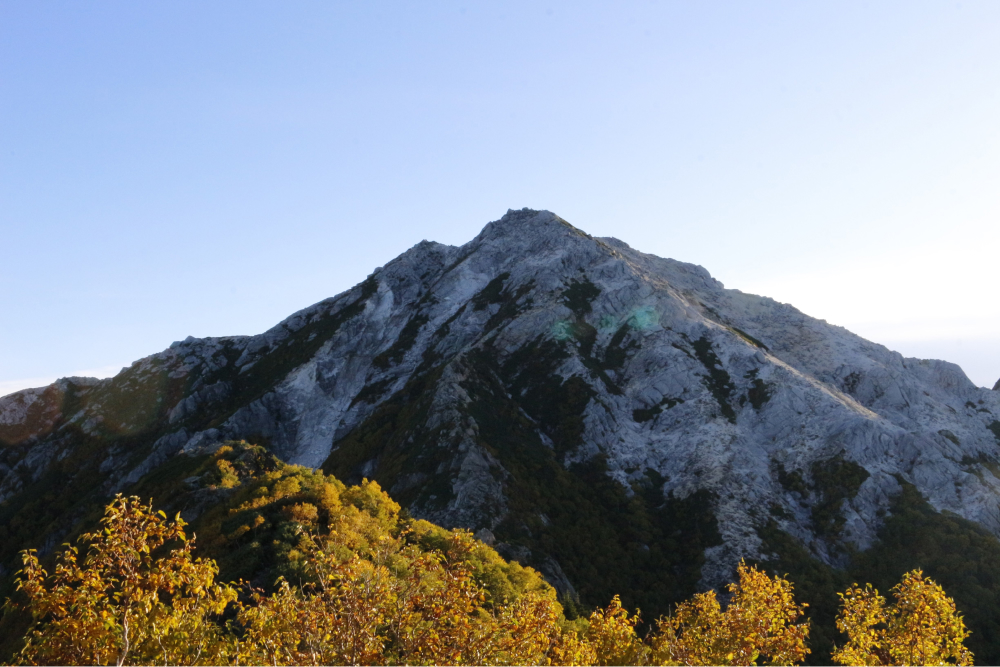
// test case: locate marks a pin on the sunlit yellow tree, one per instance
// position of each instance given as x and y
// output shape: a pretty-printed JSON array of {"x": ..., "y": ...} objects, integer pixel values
[
  {"x": 612, "y": 636},
  {"x": 399, "y": 606},
  {"x": 921, "y": 628},
  {"x": 137, "y": 597},
  {"x": 762, "y": 620}
]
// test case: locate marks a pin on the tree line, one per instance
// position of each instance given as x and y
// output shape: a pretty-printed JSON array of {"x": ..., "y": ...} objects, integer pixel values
[{"x": 371, "y": 589}]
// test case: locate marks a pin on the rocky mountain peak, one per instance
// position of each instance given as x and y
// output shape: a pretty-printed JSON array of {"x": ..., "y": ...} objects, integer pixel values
[
  {"x": 525, "y": 222},
  {"x": 536, "y": 375}
]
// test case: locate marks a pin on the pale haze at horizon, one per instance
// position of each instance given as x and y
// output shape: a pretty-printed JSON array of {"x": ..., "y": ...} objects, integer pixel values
[{"x": 175, "y": 169}]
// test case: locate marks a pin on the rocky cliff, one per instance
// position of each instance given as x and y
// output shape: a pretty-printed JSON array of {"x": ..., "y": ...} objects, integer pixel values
[{"x": 551, "y": 391}]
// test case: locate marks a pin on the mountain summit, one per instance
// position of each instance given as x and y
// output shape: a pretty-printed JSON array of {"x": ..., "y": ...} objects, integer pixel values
[{"x": 620, "y": 421}]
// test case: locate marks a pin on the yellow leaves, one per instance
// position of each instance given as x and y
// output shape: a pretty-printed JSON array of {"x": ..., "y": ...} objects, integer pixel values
[
  {"x": 121, "y": 603},
  {"x": 226, "y": 474},
  {"x": 374, "y": 588},
  {"x": 369, "y": 497},
  {"x": 921, "y": 628},
  {"x": 432, "y": 612},
  {"x": 376, "y": 598},
  {"x": 612, "y": 636},
  {"x": 861, "y": 611},
  {"x": 328, "y": 496},
  {"x": 288, "y": 486},
  {"x": 301, "y": 512},
  {"x": 760, "y": 621}
]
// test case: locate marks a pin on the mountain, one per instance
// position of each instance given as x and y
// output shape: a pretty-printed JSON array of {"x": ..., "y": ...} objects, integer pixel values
[{"x": 620, "y": 421}]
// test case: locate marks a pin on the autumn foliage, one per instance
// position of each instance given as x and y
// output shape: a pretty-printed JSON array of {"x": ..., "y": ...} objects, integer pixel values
[
  {"x": 400, "y": 606},
  {"x": 138, "y": 596},
  {"x": 759, "y": 622},
  {"x": 921, "y": 628},
  {"x": 362, "y": 584}
]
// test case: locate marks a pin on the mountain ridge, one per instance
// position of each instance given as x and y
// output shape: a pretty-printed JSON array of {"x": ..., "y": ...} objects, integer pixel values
[{"x": 535, "y": 374}]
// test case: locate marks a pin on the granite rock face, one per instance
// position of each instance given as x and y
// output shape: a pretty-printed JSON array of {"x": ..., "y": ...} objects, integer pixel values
[{"x": 432, "y": 373}]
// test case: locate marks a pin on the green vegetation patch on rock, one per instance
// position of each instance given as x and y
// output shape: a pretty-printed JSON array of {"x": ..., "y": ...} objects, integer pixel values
[
  {"x": 614, "y": 354},
  {"x": 579, "y": 295},
  {"x": 491, "y": 293},
  {"x": 431, "y": 356},
  {"x": 555, "y": 403},
  {"x": 372, "y": 391},
  {"x": 717, "y": 381},
  {"x": 614, "y": 357},
  {"x": 512, "y": 304},
  {"x": 834, "y": 480},
  {"x": 640, "y": 415},
  {"x": 394, "y": 441},
  {"x": 748, "y": 338},
  {"x": 759, "y": 392},
  {"x": 945, "y": 433},
  {"x": 792, "y": 481},
  {"x": 995, "y": 428},
  {"x": 407, "y": 337}
]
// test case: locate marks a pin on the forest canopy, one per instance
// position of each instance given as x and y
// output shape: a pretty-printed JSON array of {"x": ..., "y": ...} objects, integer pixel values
[{"x": 360, "y": 582}]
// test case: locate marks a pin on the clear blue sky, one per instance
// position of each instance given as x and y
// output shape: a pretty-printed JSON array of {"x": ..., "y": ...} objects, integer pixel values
[{"x": 189, "y": 168}]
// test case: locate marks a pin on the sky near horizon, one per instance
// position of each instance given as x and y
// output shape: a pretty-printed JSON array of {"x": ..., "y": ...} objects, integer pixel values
[{"x": 206, "y": 169}]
